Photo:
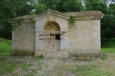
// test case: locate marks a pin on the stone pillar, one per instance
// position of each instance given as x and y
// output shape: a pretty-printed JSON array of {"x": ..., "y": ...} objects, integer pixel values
[{"x": 64, "y": 41}]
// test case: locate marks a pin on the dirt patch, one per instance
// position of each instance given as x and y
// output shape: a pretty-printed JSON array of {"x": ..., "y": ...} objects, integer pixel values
[{"x": 31, "y": 66}]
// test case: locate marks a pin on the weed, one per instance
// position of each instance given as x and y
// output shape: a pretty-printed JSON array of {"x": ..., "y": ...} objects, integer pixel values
[
  {"x": 74, "y": 57},
  {"x": 104, "y": 57},
  {"x": 7, "y": 67},
  {"x": 38, "y": 58},
  {"x": 59, "y": 73},
  {"x": 26, "y": 66},
  {"x": 31, "y": 74},
  {"x": 72, "y": 20},
  {"x": 15, "y": 74}
]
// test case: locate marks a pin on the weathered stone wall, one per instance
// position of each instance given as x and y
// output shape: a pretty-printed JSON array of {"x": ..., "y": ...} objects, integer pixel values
[
  {"x": 84, "y": 37},
  {"x": 23, "y": 39},
  {"x": 40, "y": 24}
]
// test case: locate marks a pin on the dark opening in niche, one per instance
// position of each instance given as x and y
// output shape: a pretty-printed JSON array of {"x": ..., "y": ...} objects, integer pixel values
[{"x": 57, "y": 37}]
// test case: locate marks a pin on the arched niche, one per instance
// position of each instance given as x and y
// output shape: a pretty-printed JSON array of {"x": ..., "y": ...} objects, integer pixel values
[
  {"x": 52, "y": 35},
  {"x": 52, "y": 27}
]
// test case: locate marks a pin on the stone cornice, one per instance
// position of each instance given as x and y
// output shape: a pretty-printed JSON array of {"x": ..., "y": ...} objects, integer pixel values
[
  {"x": 86, "y": 15},
  {"x": 53, "y": 12},
  {"x": 79, "y": 15},
  {"x": 89, "y": 15},
  {"x": 26, "y": 18}
]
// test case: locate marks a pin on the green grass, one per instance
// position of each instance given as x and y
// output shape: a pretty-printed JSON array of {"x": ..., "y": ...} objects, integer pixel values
[
  {"x": 108, "y": 46},
  {"x": 5, "y": 46},
  {"x": 91, "y": 70},
  {"x": 108, "y": 50},
  {"x": 7, "y": 67},
  {"x": 108, "y": 43}
]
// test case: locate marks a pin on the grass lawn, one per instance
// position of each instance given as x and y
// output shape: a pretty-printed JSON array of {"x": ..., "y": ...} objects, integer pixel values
[
  {"x": 5, "y": 46},
  {"x": 108, "y": 50},
  {"x": 108, "y": 46}
]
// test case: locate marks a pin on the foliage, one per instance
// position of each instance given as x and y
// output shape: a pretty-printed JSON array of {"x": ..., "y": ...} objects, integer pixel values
[
  {"x": 10, "y": 9},
  {"x": 60, "y": 5},
  {"x": 72, "y": 20},
  {"x": 69, "y": 5},
  {"x": 108, "y": 22},
  {"x": 92, "y": 5},
  {"x": 111, "y": 23},
  {"x": 15, "y": 25}
]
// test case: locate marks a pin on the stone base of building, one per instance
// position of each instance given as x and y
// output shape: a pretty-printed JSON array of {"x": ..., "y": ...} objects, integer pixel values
[
  {"x": 81, "y": 54},
  {"x": 22, "y": 52},
  {"x": 88, "y": 56},
  {"x": 52, "y": 53}
]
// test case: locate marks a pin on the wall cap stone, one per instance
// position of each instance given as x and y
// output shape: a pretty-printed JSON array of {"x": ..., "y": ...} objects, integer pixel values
[{"x": 78, "y": 15}]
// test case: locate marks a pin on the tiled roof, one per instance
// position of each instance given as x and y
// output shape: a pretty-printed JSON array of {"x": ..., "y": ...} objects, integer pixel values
[
  {"x": 89, "y": 13},
  {"x": 95, "y": 14},
  {"x": 26, "y": 17}
]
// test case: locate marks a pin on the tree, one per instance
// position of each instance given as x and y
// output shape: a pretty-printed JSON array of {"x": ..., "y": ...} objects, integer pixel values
[
  {"x": 13, "y": 8},
  {"x": 92, "y": 5},
  {"x": 107, "y": 23},
  {"x": 10, "y": 9},
  {"x": 69, "y": 5},
  {"x": 60, "y": 5}
]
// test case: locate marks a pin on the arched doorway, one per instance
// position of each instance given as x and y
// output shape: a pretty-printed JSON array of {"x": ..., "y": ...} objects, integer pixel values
[{"x": 52, "y": 30}]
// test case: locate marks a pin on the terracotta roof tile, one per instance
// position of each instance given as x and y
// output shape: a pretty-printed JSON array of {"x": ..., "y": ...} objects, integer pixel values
[{"x": 89, "y": 13}]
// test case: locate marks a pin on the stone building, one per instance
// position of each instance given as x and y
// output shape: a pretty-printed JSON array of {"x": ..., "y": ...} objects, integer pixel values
[{"x": 55, "y": 34}]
